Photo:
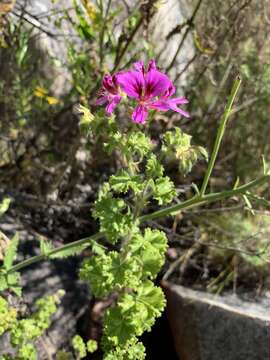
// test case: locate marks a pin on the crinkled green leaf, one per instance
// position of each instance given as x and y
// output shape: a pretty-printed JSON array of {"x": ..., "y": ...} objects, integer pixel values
[
  {"x": 8, "y": 316},
  {"x": 133, "y": 145},
  {"x": 153, "y": 167},
  {"x": 138, "y": 142},
  {"x": 164, "y": 190},
  {"x": 123, "y": 182},
  {"x": 177, "y": 146},
  {"x": 110, "y": 272},
  {"x": 25, "y": 330},
  {"x": 27, "y": 351},
  {"x": 149, "y": 250},
  {"x": 114, "y": 216},
  {"x": 91, "y": 345},
  {"x": 79, "y": 346},
  {"x": 133, "y": 350},
  {"x": 135, "y": 313}
]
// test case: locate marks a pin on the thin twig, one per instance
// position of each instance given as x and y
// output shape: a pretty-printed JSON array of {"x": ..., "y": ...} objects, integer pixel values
[{"x": 190, "y": 24}]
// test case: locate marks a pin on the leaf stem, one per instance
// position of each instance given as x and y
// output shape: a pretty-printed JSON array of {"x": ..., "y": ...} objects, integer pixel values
[
  {"x": 171, "y": 210},
  {"x": 56, "y": 250},
  {"x": 198, "y": 200},
  {"x": 220, "y": 134}
]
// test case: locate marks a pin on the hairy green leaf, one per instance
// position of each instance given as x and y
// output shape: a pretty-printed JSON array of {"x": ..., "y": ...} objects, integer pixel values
[
  {"x": 110, "y": 272},
  {"x": 164, "y": 190},
  {"x": 149, "y": 250},
  {"x": 177, "y": 146},
  {"x": 123, "y": 182},
  {"x": 153, "y": 168},
  {"x": 114, "y": 216},
  {"x": 134, "y": 314}
]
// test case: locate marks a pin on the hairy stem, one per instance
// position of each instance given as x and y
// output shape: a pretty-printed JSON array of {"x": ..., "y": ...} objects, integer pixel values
[
  {"x": 198, "y": 200},
  {"x": 38, "y": 258},
  {"x": 170, "y": 210}
]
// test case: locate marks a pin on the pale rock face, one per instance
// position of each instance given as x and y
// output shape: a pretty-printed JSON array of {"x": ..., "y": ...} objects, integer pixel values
[
  {"x": 52, "y": 47},
  {"x": 170, "y": 14}
]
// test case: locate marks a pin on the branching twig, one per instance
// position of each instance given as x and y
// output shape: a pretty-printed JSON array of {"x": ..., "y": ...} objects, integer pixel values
[{"x": 190, "y": 24}]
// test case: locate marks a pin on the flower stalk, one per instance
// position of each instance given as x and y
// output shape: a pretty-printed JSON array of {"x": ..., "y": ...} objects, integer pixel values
[
  {"x": 170, "y": 210},
  {"x": 220, "y": 134}
]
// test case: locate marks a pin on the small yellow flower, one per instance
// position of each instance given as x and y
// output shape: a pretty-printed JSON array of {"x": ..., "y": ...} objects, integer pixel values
[
  {"x": 40, "y": 92},
  {"x": 90, "y": 9},
  {"x": 52, "y": 100}
]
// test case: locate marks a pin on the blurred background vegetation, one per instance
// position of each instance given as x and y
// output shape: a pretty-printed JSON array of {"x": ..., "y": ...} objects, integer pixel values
[{"x": 53, "y": 55}]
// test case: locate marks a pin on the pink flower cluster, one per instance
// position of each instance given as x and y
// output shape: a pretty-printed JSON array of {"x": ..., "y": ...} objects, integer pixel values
[{"x": 150, "y": 88}]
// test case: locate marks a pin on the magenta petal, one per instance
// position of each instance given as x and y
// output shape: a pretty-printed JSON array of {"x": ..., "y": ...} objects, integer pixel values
[
  {"x": 139, "y": 114},
  {"x": 159, "y": 105},
  {"x": 139, "y": 66},
  {"x": 172, "y": 104},
  {"x": 152, "y": 65},
  {"x": 169, "y": 104},
  {"x": 108, "y": 84},
  {"x": 170, "y": 91},
  {"x": 156, "y": 83},
  {"x": 131, "y": 82},
  {"x": 113, "y": 102},
  {"x": 181, "y": 100},
  {"x": 102, "y": 100},
  {"x": 180, "y": 111}
]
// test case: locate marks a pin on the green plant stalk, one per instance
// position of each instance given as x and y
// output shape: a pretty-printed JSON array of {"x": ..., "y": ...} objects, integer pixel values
[
  {"x": 171, "y": 210},
  {"x": 199, "y": 200},
  {"x": 220, "y": 134},
  {"x": 139, "y": 203},
  {"x": 56, "y": 250}
]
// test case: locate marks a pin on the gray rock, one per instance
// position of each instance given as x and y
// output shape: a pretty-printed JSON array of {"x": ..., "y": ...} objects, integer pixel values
[{"x": 211, "y": 327}]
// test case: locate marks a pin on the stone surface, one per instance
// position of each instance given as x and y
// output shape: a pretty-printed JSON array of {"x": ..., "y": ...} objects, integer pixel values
[
  {"x": 172, "y": 13},
  {"x": 50, "y": 39},
  {"x": 46, "y": 278},
  {"x": 211, "y": 327}
]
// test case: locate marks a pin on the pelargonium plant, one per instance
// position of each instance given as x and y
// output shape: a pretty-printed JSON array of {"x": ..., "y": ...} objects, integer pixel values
[{"x": 125, "y": 266}]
